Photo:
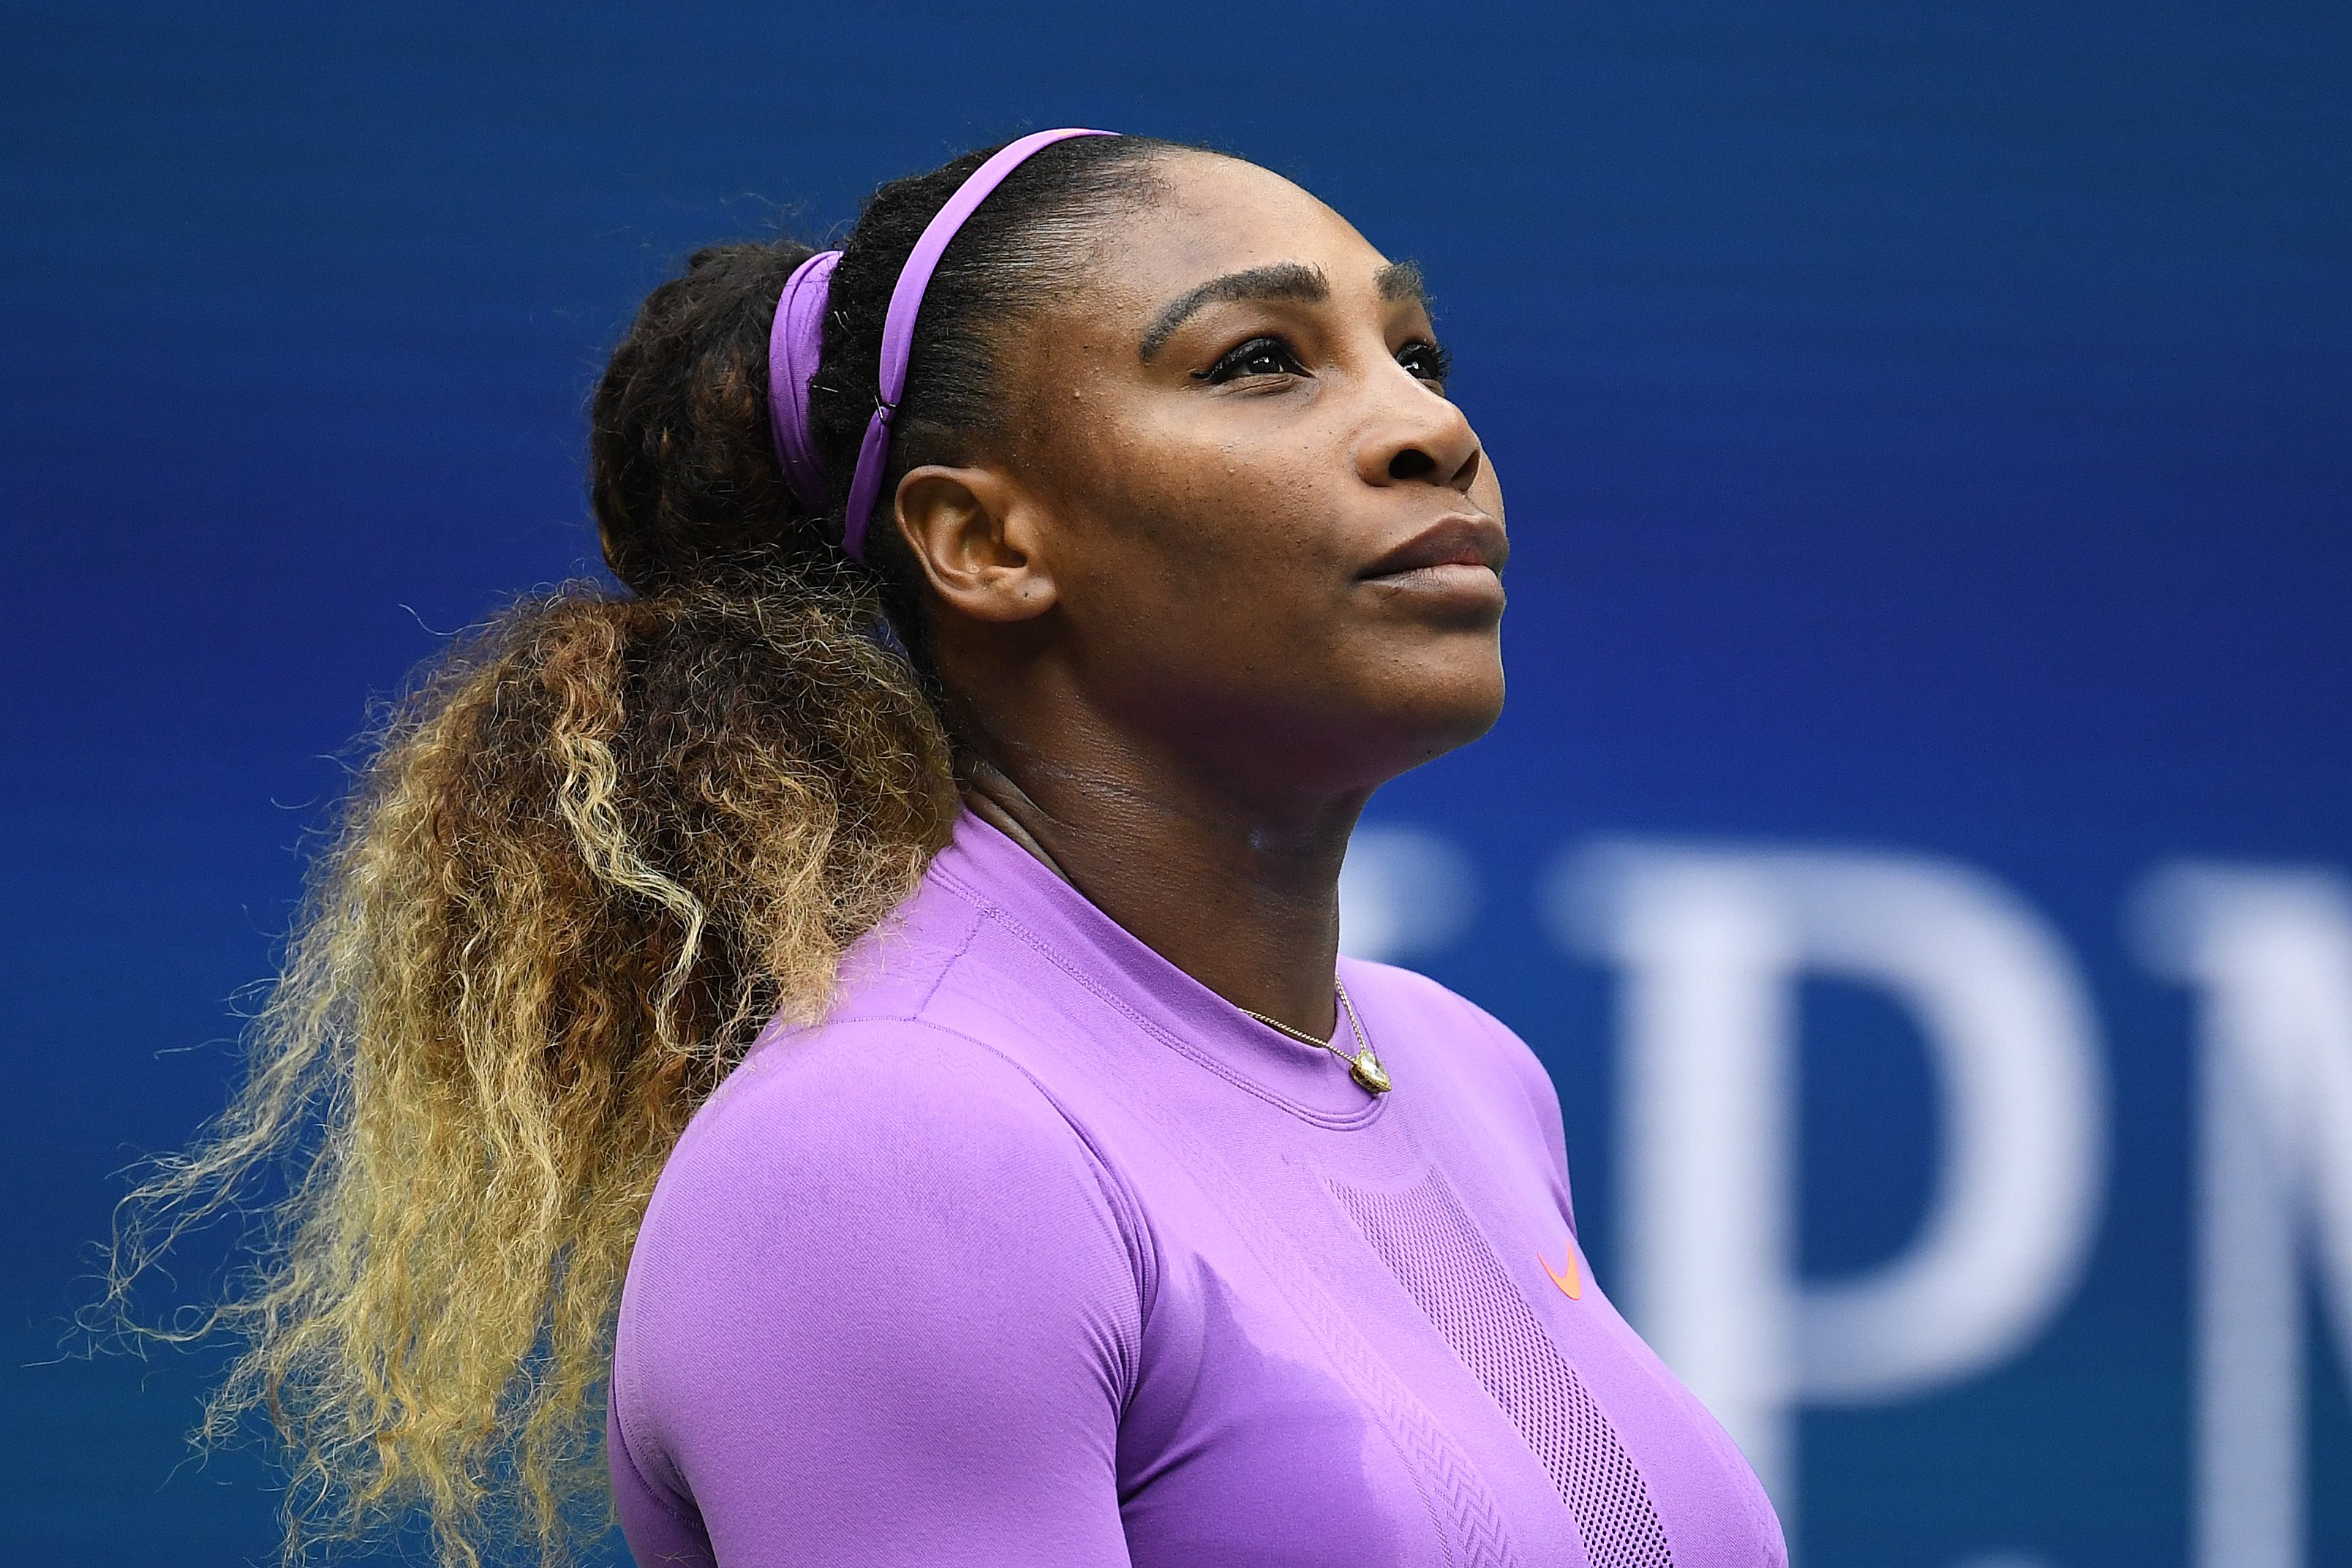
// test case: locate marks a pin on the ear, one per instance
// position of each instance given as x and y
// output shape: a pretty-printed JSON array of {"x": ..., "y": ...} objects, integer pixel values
[{"x": 972, "y": 530}]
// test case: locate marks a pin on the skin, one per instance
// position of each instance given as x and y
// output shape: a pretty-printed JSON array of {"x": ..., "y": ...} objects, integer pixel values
[{"x": 1204, "y": 604}]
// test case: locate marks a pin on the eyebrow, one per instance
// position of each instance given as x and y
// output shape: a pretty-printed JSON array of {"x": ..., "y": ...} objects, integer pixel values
[
  {"x": 1277, "y": 280},
  {"x": 1402, "y": 280}
]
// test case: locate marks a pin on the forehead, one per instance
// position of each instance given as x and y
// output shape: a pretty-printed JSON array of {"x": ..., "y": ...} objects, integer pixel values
[{"x": 1211, "y": 216}]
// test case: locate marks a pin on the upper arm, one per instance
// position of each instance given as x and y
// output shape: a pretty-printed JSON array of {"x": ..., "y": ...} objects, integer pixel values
[{"x": 884, "y": 1309}]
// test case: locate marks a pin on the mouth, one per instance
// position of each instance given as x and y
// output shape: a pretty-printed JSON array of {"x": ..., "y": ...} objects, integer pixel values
[{"x": 1465, "y": 551}]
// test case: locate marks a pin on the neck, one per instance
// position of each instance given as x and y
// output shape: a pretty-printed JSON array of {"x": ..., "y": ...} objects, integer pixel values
[{"x": 1241, "y": 894}]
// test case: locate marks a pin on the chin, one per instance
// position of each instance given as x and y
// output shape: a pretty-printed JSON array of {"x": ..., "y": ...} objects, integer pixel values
[{"x": 1448, "y": 708}]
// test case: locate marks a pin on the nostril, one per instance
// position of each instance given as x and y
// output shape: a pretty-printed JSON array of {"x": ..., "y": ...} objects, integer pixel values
[{"x": 1412, "y": 464}]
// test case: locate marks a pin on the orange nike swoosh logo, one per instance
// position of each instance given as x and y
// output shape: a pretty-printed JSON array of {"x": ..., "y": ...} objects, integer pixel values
[{"x": 1571, "y": 1284}]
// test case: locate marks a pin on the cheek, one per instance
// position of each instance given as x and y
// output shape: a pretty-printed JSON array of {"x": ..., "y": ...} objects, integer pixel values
[{"x": 1215, "y": 519}]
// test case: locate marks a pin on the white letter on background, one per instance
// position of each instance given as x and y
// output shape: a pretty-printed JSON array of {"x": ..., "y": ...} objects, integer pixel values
[
  {"x": 2271, "y": 955},
  {"x": 1711, "y": 943}
]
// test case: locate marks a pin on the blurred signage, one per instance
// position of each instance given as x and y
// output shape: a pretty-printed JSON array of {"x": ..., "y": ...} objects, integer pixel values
[{"x": 1709, "y": 943}]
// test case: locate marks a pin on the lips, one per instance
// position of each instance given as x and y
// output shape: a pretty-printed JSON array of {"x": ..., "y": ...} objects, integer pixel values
[{"x": 1464, "y": 540}]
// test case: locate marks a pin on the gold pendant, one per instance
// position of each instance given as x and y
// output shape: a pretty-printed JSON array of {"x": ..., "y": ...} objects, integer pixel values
[{"x": 1366, "y": 1070}]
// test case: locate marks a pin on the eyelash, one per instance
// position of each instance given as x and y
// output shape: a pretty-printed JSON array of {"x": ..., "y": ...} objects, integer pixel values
[
  {"x": 1229, "y": 364},
  {"x": 1439, "y": 363}
]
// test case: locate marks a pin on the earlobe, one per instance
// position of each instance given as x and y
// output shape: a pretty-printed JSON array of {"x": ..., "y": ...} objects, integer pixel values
[{"x": 971, "y": 530}]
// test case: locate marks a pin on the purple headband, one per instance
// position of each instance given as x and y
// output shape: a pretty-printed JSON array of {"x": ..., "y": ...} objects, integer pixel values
[{"x": 798, "y": 337}]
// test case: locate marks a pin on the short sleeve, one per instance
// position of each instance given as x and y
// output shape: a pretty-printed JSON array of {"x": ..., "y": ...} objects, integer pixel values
[{"x": 886, "y": 1308}]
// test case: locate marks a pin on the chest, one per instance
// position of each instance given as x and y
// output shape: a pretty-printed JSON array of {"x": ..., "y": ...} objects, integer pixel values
[{"x": 1369, "y": 1355}]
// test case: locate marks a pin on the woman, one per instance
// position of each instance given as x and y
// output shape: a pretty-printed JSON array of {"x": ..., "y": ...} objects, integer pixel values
[{"x": 944, "y": 838}]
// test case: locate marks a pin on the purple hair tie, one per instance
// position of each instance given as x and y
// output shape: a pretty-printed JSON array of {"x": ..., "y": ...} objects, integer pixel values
[
  {"x": 793, "y": 344},
  {"x": 798, "y": 337}
]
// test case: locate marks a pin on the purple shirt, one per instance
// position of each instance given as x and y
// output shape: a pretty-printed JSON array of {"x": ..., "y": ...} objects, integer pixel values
[{"x": 1038, "y": 1252}]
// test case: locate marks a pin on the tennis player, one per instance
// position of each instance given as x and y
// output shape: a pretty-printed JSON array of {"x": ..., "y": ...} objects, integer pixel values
[{"x": 898, "y": 938}]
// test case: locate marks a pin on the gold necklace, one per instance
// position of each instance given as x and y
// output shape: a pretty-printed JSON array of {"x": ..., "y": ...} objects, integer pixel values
[{"x": 1363, "y": 1066}]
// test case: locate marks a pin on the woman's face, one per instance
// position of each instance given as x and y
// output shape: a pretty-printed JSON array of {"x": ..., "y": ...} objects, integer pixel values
[{"x": 1239, "y": 512}]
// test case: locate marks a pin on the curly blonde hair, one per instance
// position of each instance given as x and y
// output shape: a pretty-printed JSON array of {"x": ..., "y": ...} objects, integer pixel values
[
  {"x": 598, "y": 846},
  {"x": 594, "y": 851}
]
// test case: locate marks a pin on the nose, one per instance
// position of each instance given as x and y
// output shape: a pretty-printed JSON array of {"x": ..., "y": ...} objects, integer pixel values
[{"x": 1416, "y": 436}]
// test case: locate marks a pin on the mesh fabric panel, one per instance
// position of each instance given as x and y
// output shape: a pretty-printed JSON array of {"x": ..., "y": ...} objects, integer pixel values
[{"x": 1430, "y": 1245}]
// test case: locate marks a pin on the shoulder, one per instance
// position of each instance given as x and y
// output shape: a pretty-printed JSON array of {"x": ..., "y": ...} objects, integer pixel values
[
  {"x": 869, "y": 1221},
  {"x": 1481, "y": 1055},
  {"x": 1481, "y": 1043},
  {"x": 873, "y": 1115},
  {"x": 867, "y": 1197}
]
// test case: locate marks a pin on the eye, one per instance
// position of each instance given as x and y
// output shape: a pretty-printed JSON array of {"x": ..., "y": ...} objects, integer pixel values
[
  {"x": 1426, "y": 362},
  {"x": 1258, "y": 357}
]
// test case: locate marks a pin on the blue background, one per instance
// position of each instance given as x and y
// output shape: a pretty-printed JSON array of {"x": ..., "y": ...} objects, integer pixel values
[{"x": 1926, "y": 428}]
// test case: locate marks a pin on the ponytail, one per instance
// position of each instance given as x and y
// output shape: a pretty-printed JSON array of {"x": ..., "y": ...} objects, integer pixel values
[{"x": 597, "y": 846}]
